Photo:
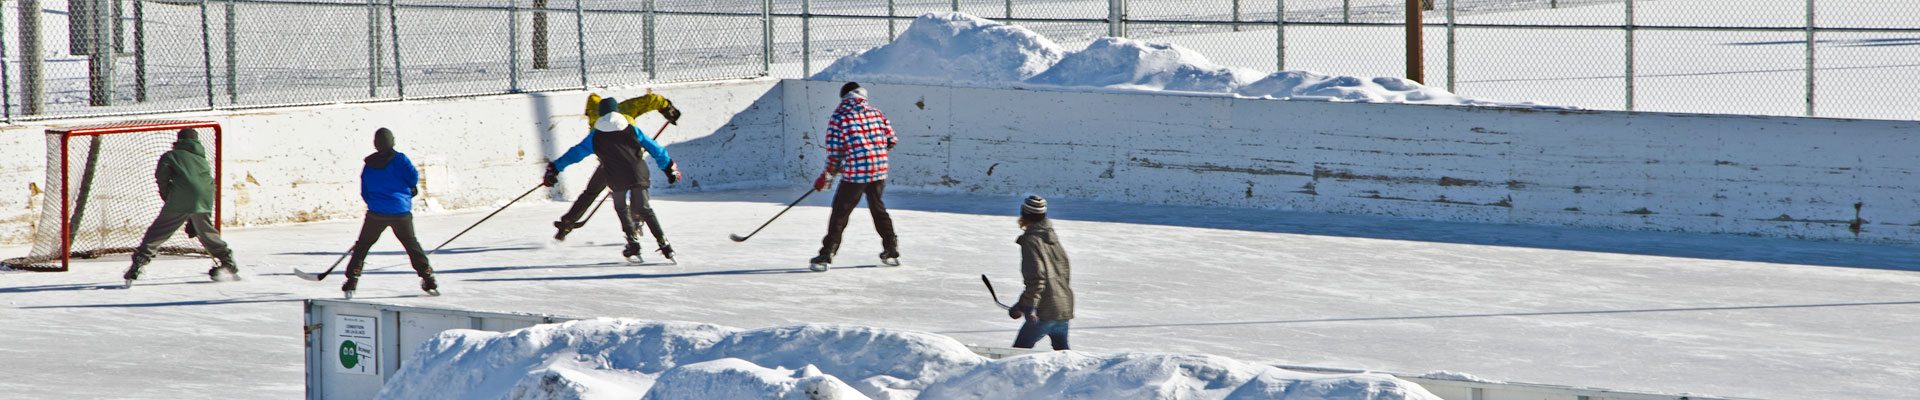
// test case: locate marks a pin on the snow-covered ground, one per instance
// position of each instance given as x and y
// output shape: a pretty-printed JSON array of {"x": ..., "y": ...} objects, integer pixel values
[
  {"x": 623, "y": 359},
  {"x": 1726, "y": 315}
]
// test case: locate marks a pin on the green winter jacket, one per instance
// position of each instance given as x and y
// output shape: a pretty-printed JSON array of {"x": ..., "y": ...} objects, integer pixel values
[
  {"x": 1048, "y": 275},
  {"x": 185, "y": 179}
]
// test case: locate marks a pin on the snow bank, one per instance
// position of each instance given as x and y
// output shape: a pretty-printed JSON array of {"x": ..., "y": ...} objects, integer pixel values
[
  {"x": 627, "y": 359},
  {"x": 941, "y": 48},
  {"x": 959, "y": 49}
]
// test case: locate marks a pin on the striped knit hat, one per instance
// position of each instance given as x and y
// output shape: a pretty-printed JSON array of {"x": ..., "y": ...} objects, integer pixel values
[{"x": 1034, "y": 205}]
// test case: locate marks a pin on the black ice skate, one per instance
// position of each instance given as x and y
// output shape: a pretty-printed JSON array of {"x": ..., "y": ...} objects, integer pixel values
[
  {"x": 632, "y": 254},
  {"x": 819, "y": 263},
  {"x": 890, "y": 257},
  {"x": 427, "y": 284}
]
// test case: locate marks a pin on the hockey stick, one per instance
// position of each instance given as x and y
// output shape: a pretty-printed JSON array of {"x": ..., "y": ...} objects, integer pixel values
[
  {"x": 996, "y": 296},
  {"x": 336, "y": 263},
  {"x": 603, "y": 199},
  {"x": 738, "y": 238},
  {"x": 323, "y": 275}
]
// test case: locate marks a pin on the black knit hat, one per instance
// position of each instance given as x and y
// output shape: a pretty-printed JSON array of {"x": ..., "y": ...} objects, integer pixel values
[
  {"x": 848, "y": 88},
  {"x": 609, "y": 105},
  {"x": 383, "y": 139},
  {"x": 188, "y": 134},
  {"x": 1034, "y": 206}
]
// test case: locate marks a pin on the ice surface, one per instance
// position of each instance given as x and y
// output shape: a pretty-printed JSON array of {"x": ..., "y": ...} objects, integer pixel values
[
  {"x": 959, "y": 49},
  {"x": 616, "y": 358},
  {"x": 1645, "y": 311}
]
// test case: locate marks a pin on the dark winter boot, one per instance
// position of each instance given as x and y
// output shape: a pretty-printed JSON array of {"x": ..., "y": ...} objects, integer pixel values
[
  {"x": 133, "y": 273},
  {"x": 562, "y": 228},
  {"x": 429, "y": 285},
  {"x": 819, "y": 263},
  {"x": 890, "y": 257},
  {"x": 225, "y": 271},
  {"x": 632, "y": 252},
  {"x": 353, "y": 282},
  {"x": 666, "y": 250}
]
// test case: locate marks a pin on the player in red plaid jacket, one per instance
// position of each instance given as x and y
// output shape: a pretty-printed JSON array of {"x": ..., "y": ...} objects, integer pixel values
[{"x": 858, "y": 139}]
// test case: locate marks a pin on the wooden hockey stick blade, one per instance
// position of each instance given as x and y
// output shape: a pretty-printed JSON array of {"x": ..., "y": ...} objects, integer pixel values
[
  {"x": 307, "y": 275},
  {"x": 996, "y": 296}
]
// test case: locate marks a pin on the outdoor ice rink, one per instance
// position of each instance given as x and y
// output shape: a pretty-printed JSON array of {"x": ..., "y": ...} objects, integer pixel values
[{"x": 1720, "y": 315}]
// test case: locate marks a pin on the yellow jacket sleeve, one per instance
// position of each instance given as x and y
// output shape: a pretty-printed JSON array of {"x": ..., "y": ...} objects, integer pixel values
[{"x": 634, "y": 107}]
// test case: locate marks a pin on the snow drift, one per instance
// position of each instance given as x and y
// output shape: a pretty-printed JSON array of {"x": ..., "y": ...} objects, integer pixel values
[
  {"x": 951, "y": 47},
  {"x": 959, "y": 49},
  {"x": 627, "y": 359}
]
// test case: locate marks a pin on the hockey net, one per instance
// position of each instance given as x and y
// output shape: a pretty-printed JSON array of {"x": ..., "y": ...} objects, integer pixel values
[{"x": 99, "y": 194}]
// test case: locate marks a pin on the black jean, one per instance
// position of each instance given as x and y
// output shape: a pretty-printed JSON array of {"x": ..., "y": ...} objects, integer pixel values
[
  {"x": 634, "y": 203},
  {"x": 848, "y": 197},
  {"x": 370, "y": 230}
]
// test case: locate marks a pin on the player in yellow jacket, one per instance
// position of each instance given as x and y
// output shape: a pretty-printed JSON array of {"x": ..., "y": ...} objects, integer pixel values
[{"x": 630, "y": 108}]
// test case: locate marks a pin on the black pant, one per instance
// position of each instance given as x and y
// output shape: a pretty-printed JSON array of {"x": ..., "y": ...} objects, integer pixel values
[
  {"x": 631, "y": 204},
  {"x": 592, "y": 192},
  {"x": 848, "y": 197},
  {"x": 370, "y": 230},
  {"x": 165, "y": 225}
]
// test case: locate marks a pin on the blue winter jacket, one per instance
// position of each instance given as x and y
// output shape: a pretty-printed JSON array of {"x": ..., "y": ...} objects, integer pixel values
[{"x": 388, "y": 187}]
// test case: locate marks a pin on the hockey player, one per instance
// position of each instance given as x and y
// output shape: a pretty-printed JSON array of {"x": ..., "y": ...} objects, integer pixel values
[
  {"x": 185, "y": 179},
  {"x": 618, "y": 145},
  {"x": 388, "y": 183},
  {"x": 632, "y": 107},
  {"x": 1047, "y": 304},
  {"x": 858, "y": 139}
]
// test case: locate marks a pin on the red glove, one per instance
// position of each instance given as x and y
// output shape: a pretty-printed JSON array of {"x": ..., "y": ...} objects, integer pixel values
[{"x": 820, "y": 183}]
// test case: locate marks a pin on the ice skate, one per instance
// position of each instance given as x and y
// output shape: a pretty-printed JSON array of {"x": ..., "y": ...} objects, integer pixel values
[
  {"x": 819, "y": 263},
  {"x": 429, "y": 285},
  {"x": 632, "y": 254},
  {"x": 666, "y": 250},
  {"x": 890, "y": 258}
]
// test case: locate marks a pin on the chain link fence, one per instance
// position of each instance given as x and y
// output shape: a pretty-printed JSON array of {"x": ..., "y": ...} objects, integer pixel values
[{"x": 1829, "y": 58}]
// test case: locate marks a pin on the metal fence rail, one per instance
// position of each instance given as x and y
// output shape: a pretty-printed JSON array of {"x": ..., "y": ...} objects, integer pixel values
[{"x": 1773, "y": 57}]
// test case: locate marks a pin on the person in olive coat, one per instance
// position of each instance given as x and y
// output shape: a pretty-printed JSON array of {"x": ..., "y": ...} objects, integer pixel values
[
  {"x": 1047, "y": 302},
  {"x": 185, "y": 179}
]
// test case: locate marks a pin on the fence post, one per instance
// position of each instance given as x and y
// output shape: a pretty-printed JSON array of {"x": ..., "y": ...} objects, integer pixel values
[
  {"x": 1630, "y": 56},
  {"x": 806, "y": 38},
  {"x": 1236, "y": 15},
  {"x": 139, "y": 51},
  {"x": 6, "y": 87},
  {"x": 399, "y": 67},
  {"x": 539, "y": 39},
  {"x": 206, "y": 52},
  {"x": 373, "y": 49},
  {"x": 1116, "y": 27},
  {"x": 890, "y": 16},
  {"x": 33, "y": 60},
  {"x": 956, "y": 6},
  {"x": 1280, "y": 35},
  {"x": 766, "y": 37},
  {"x": 1452, "y": 42},
  {"x": 652, "y": 72},
  {"x": 1810, "y": 71},
  {"x": 1346, "y": 11},
  {"x": 580, "y": 32},
  {"x": 1009, "y": 10},
  {"x": 233, "y": 64},
  {"x": 1416, "y": 43},
  {"x": 513, "y": 45},
  {"x": 100, "y": 53}
]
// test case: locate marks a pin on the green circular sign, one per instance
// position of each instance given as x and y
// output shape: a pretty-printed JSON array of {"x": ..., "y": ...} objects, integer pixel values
[{"x": 349, "y": 354}]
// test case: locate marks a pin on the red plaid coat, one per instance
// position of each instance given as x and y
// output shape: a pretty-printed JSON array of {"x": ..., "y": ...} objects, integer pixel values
[{"x": 858, "y": 138}]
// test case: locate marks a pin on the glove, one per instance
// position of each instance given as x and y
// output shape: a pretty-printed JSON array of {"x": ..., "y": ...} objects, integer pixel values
[
  {"x": 552, "y": 176},
  {"x": 671, "y": 113},
  {"x": 1020, "y": 311},
  {"x": 820, "y": 183},
  {"x": 673, "y": 172}
]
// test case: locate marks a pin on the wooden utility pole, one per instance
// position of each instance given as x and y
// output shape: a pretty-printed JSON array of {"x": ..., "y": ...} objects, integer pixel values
[{"x": 1416, "y": 43}]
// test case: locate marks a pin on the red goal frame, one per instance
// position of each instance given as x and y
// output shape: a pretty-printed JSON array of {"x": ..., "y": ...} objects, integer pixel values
[{"x": 67, "y": 134}]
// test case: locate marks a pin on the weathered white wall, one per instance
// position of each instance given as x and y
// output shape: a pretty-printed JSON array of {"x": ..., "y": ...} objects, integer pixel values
[
  {"x": 1786, "y": 177},
  {"x": 303, "y": 164}
]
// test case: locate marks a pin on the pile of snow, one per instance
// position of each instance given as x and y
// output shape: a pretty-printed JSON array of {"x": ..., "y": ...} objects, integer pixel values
[
  {"x": 942, "y": 48},
  {"x": 959, "y": 49},
  {"x": 628, "y": 359}
]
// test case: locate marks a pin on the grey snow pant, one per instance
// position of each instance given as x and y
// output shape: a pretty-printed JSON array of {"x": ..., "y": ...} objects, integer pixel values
[{"x": 163, "y": 227}]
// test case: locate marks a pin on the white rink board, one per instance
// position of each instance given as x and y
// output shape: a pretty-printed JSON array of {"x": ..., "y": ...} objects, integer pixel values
[{"x": 1766, "y": 176}]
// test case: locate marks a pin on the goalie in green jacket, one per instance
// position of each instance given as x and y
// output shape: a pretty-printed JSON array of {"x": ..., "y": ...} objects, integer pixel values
[{"x": 185, "y": 180}]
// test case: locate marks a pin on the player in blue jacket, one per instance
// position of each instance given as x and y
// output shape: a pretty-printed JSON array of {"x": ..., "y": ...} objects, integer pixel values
[
  {"x": 388, "y": 183},
  {"x": 618, "y": 144}
]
